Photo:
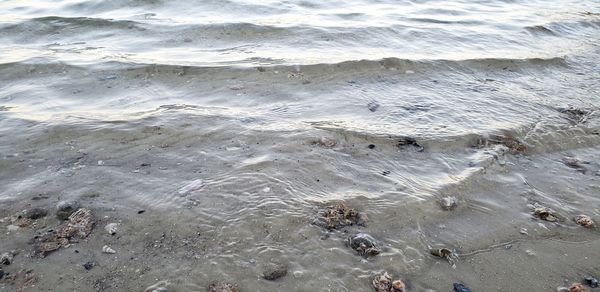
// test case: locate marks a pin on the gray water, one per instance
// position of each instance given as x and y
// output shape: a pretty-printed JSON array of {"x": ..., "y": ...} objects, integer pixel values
[{"x": 121, "y": 104}]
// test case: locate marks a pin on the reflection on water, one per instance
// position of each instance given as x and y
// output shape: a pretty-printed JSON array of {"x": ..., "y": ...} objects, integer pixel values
[{"x": 264, "y": 112}]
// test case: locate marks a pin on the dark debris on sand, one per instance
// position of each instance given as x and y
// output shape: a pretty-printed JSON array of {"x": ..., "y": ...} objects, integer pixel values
[{"x": 222, "y": 287}]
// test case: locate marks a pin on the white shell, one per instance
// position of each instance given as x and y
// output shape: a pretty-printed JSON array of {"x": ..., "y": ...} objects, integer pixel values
[
  {"x": 191, "y": 186},
  {"x": 107, "y": 249},
  {"x": 111, "y": 228}
]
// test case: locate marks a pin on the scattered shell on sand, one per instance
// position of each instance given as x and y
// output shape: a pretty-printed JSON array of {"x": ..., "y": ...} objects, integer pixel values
[
  {"x": 78, "y": 226},
  {"x": 383, "y": 283},
  {"x": 584, "y": 220},
  {"x": 111, "y": 228},
  {"x": 340, "y": 215},
  {"x": 107, "y": 249}
]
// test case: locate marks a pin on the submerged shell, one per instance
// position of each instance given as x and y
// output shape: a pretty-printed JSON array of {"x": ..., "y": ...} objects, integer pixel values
[
  {"x": 382, "y": 283},
  {"x": 545, "y": 214},
  {"x": 111, "y": 228},
  {"x": 584, "y": 220},
  {"x": 441, "y": 252},
  {"x": 107, "y": 249}
]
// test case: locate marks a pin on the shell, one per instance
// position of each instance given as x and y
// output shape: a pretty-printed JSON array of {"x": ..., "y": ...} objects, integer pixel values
[
  {"x": 382, "y": 283},
  {"x": 111, "y": 228},
  {"x": 107, "y": 249},
  {"x": 441, "y": 252},
  {"x": 584, "y": 220},
  {"x": 545, "y": 214},
  {"x": 398, "y": 285},
  {"x": 190, "y": 187}
]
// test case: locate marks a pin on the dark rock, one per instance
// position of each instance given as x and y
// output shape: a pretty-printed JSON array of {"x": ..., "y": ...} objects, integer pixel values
[
  {"x": 371, "y": 146},
  {"x": 274, "y": 272},
  {"x": 89, "y": 265},
  {"x": 459, "y": 287},
  {"x": 340, "y": 215},
  {"x": 222, "y": 287},
  {"x": 364, "y": 244},
  {"x": 141, "y": 211},
  {"x": 409, "y": 141},
  {"x": 591, "y": 281},
  {"x": 35, "y": 213},
  {"x": 64, "y": 209}
]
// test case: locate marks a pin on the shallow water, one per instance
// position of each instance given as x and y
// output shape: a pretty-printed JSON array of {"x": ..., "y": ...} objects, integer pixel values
[{"x": 208, "y": 116}]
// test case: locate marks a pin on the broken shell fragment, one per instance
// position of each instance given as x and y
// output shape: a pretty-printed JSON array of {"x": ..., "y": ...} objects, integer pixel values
[
  {"x": 545, "y": 214},
  {"x": 327, "y": 142},
  {"x": 584, "y": 220},
  {"x": 107, "y": 249},
  {"x": 398, "y": 285}
]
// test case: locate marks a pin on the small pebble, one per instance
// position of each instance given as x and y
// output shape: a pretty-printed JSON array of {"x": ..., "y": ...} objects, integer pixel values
[
  {"x": 371, "y": 146},
  {"x": 459, "y": 287},
  {"x": 89, "y": 265},
  {"x": 64, "y": 209},
  {"x": 373, "y": 106},
  {"x": 591, "y": 281},
  {"x": 141, "y": 211},
  {"x": 449, "y": 203}
]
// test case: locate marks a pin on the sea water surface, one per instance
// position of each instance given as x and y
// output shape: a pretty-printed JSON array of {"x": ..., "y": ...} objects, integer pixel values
[{"x": 231, "y": 123}]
